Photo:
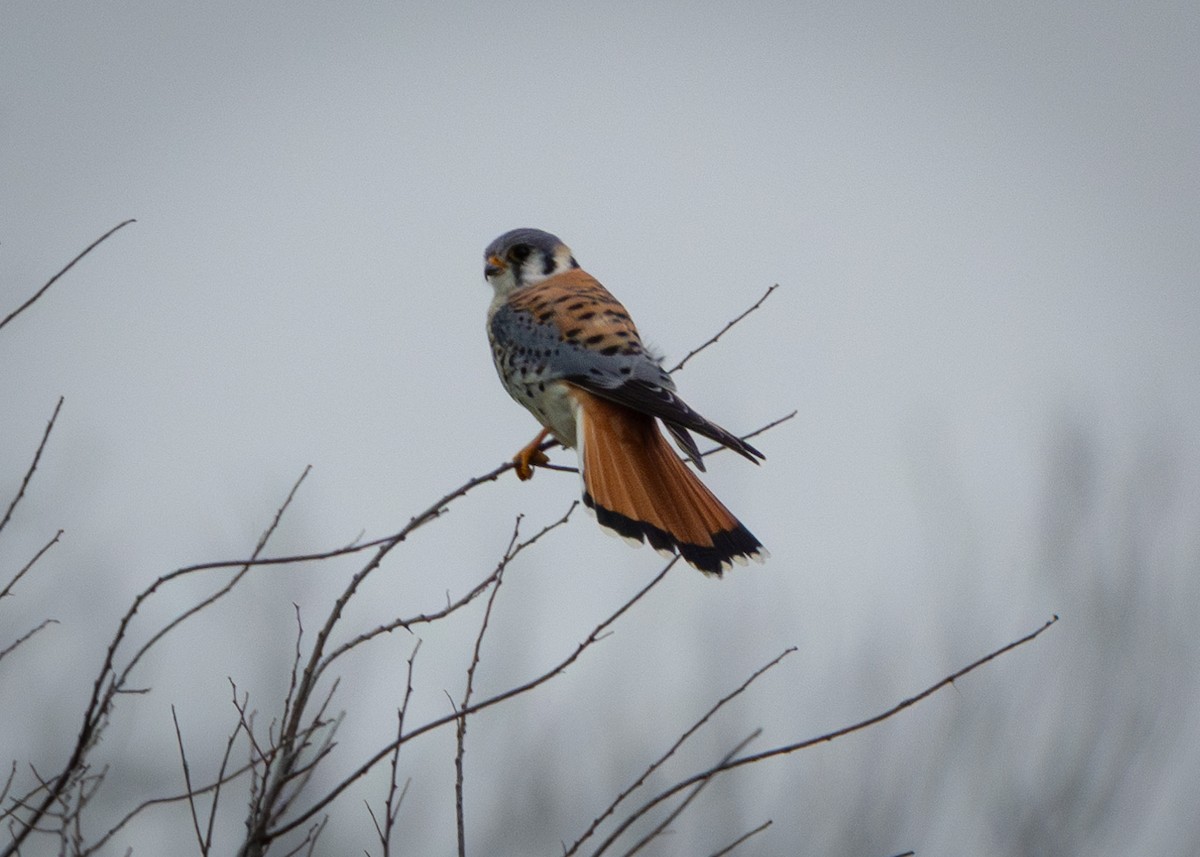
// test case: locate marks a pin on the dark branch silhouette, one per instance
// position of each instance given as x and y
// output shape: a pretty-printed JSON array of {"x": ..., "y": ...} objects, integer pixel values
[
  {"x": 731, "y": 323},
  {"x": 786, "y": 749},
  {"x": 57, "y": 276}
]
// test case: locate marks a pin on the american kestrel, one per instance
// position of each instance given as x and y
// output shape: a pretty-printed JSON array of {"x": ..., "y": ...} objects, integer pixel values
[{"x": 569, "y": 352}]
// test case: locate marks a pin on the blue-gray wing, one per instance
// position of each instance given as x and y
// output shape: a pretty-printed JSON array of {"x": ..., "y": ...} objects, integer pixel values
[{"x": 577, "y": 332}]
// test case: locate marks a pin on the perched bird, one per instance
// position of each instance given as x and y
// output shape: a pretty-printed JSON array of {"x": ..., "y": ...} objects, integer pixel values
[{"x": 569, "y": 352}]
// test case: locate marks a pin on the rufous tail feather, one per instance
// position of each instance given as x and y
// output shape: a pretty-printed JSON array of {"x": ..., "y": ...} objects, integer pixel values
[{"x": 641, "y": 490}]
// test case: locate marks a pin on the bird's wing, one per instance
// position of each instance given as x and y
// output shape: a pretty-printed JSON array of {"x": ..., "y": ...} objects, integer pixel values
[{"x": 571, "y": 328}]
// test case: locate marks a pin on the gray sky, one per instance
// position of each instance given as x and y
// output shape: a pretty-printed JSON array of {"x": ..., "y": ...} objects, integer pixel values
[{"x": 984, "y": 224}]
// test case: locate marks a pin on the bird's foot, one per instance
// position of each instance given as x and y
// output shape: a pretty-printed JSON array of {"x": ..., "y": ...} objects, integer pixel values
[{"x": 530, "y": 456}]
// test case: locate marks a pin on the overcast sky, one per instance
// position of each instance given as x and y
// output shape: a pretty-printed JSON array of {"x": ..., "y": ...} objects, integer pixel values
[{"x": 984, "y": 223}]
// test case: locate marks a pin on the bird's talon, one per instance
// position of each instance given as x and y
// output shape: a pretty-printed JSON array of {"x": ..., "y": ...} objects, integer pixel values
[{"x": 526, "y": 460}]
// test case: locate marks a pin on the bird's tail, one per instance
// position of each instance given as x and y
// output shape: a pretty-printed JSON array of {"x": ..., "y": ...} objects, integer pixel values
[{"x": 640, "y": 490}]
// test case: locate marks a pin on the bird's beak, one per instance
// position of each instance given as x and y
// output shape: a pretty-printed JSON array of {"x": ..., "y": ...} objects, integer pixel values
[{"x": 493, "y": 266}]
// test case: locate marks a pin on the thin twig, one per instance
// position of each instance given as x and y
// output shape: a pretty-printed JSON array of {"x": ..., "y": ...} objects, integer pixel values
[
  {"x": 216, "y": 792},
  {"x": 55, "y": 278},
  {"x": 828, "y": 736},
  {"x": 728, "y": 849},
  {"x": 11, "y": 647},
  {"x": 7, "y": 590},
  {"x": 37, "y": 456},
  {"x": 722, "y": 331},
  {"x": 297, "y": 657},
  {"x": 187, "y": 781},
  {"x": 391, "y": 807},
  {"x": 461, "y": 732}
]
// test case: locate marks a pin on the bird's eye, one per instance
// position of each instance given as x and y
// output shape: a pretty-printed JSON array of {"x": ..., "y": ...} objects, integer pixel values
[{"x": 520, "y": 253}]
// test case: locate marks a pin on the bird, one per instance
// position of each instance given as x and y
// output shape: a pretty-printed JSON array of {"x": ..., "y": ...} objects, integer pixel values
[{"x": 569, "y": 352}]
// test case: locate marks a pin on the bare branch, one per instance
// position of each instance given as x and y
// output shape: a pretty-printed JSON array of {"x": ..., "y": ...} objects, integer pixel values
[
  {"x": 37, "y": 456},
  {"x": 722, "y": 331},
  {"x": 461, "y": 736},
  {"x": 597, "y": 633},
  {"x": 158, "y": 801},
  {"x": 259, "y": 834},
  {"x": 828, "y": 736},
  {"x": 216, "y": 790},
  {"x": 424, "y": 618},
  {"x": 11, "y": 647},
  {"x": 686, "y": 802},
  {"x": 7, "y": 590},
  {"x": 215, "y": 596},
  {"x": 393, "y": 802},
  {"x": 728, "y": 849},
  {"x": 661, "y": 760},
  {"x": 109, "y": 683},
  {"x": 56, "y": 277},
  {"x": 187, "y": 781}
]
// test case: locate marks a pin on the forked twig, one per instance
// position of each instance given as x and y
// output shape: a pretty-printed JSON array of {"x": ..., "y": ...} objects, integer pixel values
[
  {"x": 408, "y": 622},
  {"x": 674, "y": 748},
  {"x": 686, "y": 802}
]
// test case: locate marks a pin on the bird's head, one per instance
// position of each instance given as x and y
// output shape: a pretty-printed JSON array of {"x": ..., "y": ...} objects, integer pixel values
[{"x": 524, "y": 257}]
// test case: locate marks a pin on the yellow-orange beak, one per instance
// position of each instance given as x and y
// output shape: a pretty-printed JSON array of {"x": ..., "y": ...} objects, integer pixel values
[{"x": 493, "y": 266}]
